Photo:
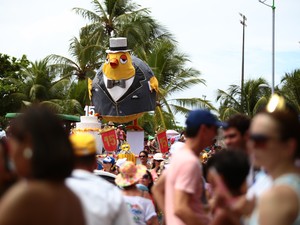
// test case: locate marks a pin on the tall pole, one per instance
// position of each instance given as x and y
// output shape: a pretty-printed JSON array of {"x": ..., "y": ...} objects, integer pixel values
[
  {"x": 243, "y": 22},
  {"x": 273, "y": 47},
  {"x": 273, "y": 41}
]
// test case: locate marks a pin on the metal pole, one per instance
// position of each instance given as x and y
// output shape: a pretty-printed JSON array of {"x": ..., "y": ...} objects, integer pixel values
[
  {"x": 243, "y": 22},
  {"x": 273, "y": 47},
  {"x": 273, "y": 41}
]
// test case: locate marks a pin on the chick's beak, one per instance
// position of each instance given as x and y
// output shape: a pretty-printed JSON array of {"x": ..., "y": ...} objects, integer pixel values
[{"x": 114, "y": 63}]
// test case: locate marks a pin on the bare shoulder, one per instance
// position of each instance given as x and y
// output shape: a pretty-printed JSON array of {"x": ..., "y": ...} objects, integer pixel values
[
  {"x": 15, "y": 200},
  {"x": 279, "y": 205},
  {"x": 40, "y": 203},
  {"x": 281, "y": 194},
  {"x": 16, "y": 195}
]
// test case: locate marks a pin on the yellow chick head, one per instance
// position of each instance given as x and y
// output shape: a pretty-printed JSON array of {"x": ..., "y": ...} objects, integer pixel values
[
  {"x": 125, "y": 147},
  {"x": 118, "y": 66}
]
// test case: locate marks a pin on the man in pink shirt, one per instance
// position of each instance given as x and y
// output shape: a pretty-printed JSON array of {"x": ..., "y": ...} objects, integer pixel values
[{"x": 178, "y": 191}]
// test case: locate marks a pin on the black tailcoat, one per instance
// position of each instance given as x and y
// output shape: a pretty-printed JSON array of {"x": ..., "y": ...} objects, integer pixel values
[{"x": 137, "y": 99}]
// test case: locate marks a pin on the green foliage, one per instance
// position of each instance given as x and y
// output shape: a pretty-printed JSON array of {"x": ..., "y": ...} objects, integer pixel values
[
  {"x": 255, "y": 95},
  {"x": 40, "y": 83},
  {"x": 11, "y": 66},
  {"x": 10, "y": 78},
  {"x": 169, "y": 67},
  {"x": 291, "y": 88}
]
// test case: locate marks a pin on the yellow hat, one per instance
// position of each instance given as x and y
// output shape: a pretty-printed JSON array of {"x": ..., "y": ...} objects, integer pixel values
[{"x": 83, "y": 144}]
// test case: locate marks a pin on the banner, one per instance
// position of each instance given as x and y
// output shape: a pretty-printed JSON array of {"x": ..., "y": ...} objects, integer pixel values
[
  {"x": 109, "y": 140},
  {"x": 162, "y": 141}
]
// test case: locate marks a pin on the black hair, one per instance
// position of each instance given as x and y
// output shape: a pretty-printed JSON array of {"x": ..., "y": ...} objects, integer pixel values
[
  {"x": 146, "y": 153},
  {"x": 10, "y": 177},
  {"x": 129, "y": 187},
  {"x": 191, "y": 132},
  {"x": 86, "y": 160},
  {"x": 52, "y": 157},
  {"x": 151, "y": 181},
  {"x": 239, "y": 121},
  {"x": 233, "y": 166},
  {"x": 5, "y": 149}
]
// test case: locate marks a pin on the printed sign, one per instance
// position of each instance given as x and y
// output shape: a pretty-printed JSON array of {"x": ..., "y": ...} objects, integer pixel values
[
  {"x": 162, "y": 141},
  {"x": 109, "y": 139}
]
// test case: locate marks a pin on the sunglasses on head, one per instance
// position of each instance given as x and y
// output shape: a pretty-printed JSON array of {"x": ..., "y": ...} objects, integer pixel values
[
  {"x": 260, "y": 139},
  {"x": 230, "y": 136}
]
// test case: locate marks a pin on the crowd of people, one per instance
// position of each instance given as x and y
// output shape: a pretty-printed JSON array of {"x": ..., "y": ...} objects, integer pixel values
[{"x": 251, "y": 178}]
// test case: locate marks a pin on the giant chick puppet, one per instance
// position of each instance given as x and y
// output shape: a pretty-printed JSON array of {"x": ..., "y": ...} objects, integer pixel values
[{"x": 125, "y": 86}]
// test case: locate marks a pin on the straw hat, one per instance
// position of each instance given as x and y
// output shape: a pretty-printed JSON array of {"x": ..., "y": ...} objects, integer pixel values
[{"x": 130, "y": 174}]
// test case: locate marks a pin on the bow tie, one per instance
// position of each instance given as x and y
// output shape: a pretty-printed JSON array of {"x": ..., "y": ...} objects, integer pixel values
[{"x": 112, "y": 83}]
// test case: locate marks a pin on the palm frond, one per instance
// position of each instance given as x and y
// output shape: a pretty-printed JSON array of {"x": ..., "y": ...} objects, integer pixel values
[{"x": 90, "y": 15}]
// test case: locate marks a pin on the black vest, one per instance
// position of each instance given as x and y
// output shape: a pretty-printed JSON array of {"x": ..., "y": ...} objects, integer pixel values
[{"x": 137, "y": 99}]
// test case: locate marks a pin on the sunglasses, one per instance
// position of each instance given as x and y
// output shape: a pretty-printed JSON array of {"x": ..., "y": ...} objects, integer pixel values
[
  {"x": 146, "y": 176},
  {"x": 230, "y": 136},
  {"x": 142, "y": 156},
  {"x": 260, "y": 140}
]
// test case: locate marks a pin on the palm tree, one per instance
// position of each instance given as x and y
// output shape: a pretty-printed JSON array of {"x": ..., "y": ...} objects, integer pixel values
[
  {"x": 291, "y": 88},
  {"x": 10, "y": 79},
  {"x": 255, "y": 97},
  {"x": 150, "y": 42},
  {"x": 86, "y": 56},
  {"x": 41, "y": 85},
  {"x": 169, "y": 67},
  {"x": 121, "y": 18}
]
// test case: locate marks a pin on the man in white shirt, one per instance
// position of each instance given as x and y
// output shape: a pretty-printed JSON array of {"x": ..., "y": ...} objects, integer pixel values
[{"x": 102, "y": 202}]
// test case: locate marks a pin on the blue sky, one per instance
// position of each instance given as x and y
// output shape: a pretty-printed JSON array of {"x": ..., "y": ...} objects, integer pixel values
[{"x": 208, "y": 31}]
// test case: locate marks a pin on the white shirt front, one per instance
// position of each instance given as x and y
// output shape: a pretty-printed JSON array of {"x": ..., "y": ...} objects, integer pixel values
[
  {"x": 142, "y": 209},
  {"x": 117, "y": 92},
  {"x": 102, "y": 202},
  {"x": 263, "y": 183}
]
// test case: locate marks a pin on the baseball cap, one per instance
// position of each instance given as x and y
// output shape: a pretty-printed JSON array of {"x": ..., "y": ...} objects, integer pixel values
[
  {"x": 109, "y": 159},
  {"x": 199, "y": 117},
  {"x": 120, "y": 162},
  {"x": 83, "y": 144},
  {"x": 150, "y": 137}
]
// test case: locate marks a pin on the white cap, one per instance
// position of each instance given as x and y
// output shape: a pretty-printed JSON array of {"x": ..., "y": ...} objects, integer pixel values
[
  {"x": 120, "y": 162},
  {"x": 158, "y": 156}
]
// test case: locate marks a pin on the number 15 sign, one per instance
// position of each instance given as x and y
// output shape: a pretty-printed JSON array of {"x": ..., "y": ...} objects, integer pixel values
[
  {"x": 163, "y": 141},
  {"x": 109, "y": 139}
]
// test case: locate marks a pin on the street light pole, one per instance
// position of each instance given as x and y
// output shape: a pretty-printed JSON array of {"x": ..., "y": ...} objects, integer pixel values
[
  {"x": 243, "y": 22},
  {"x": 273, "y": 46},
  {"x": 273, "y": 41}
]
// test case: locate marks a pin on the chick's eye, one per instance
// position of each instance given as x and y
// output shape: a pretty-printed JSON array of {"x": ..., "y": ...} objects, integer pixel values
[
  {"x": 107, "y": 60},
  {"x": 123, "y": 59}
]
